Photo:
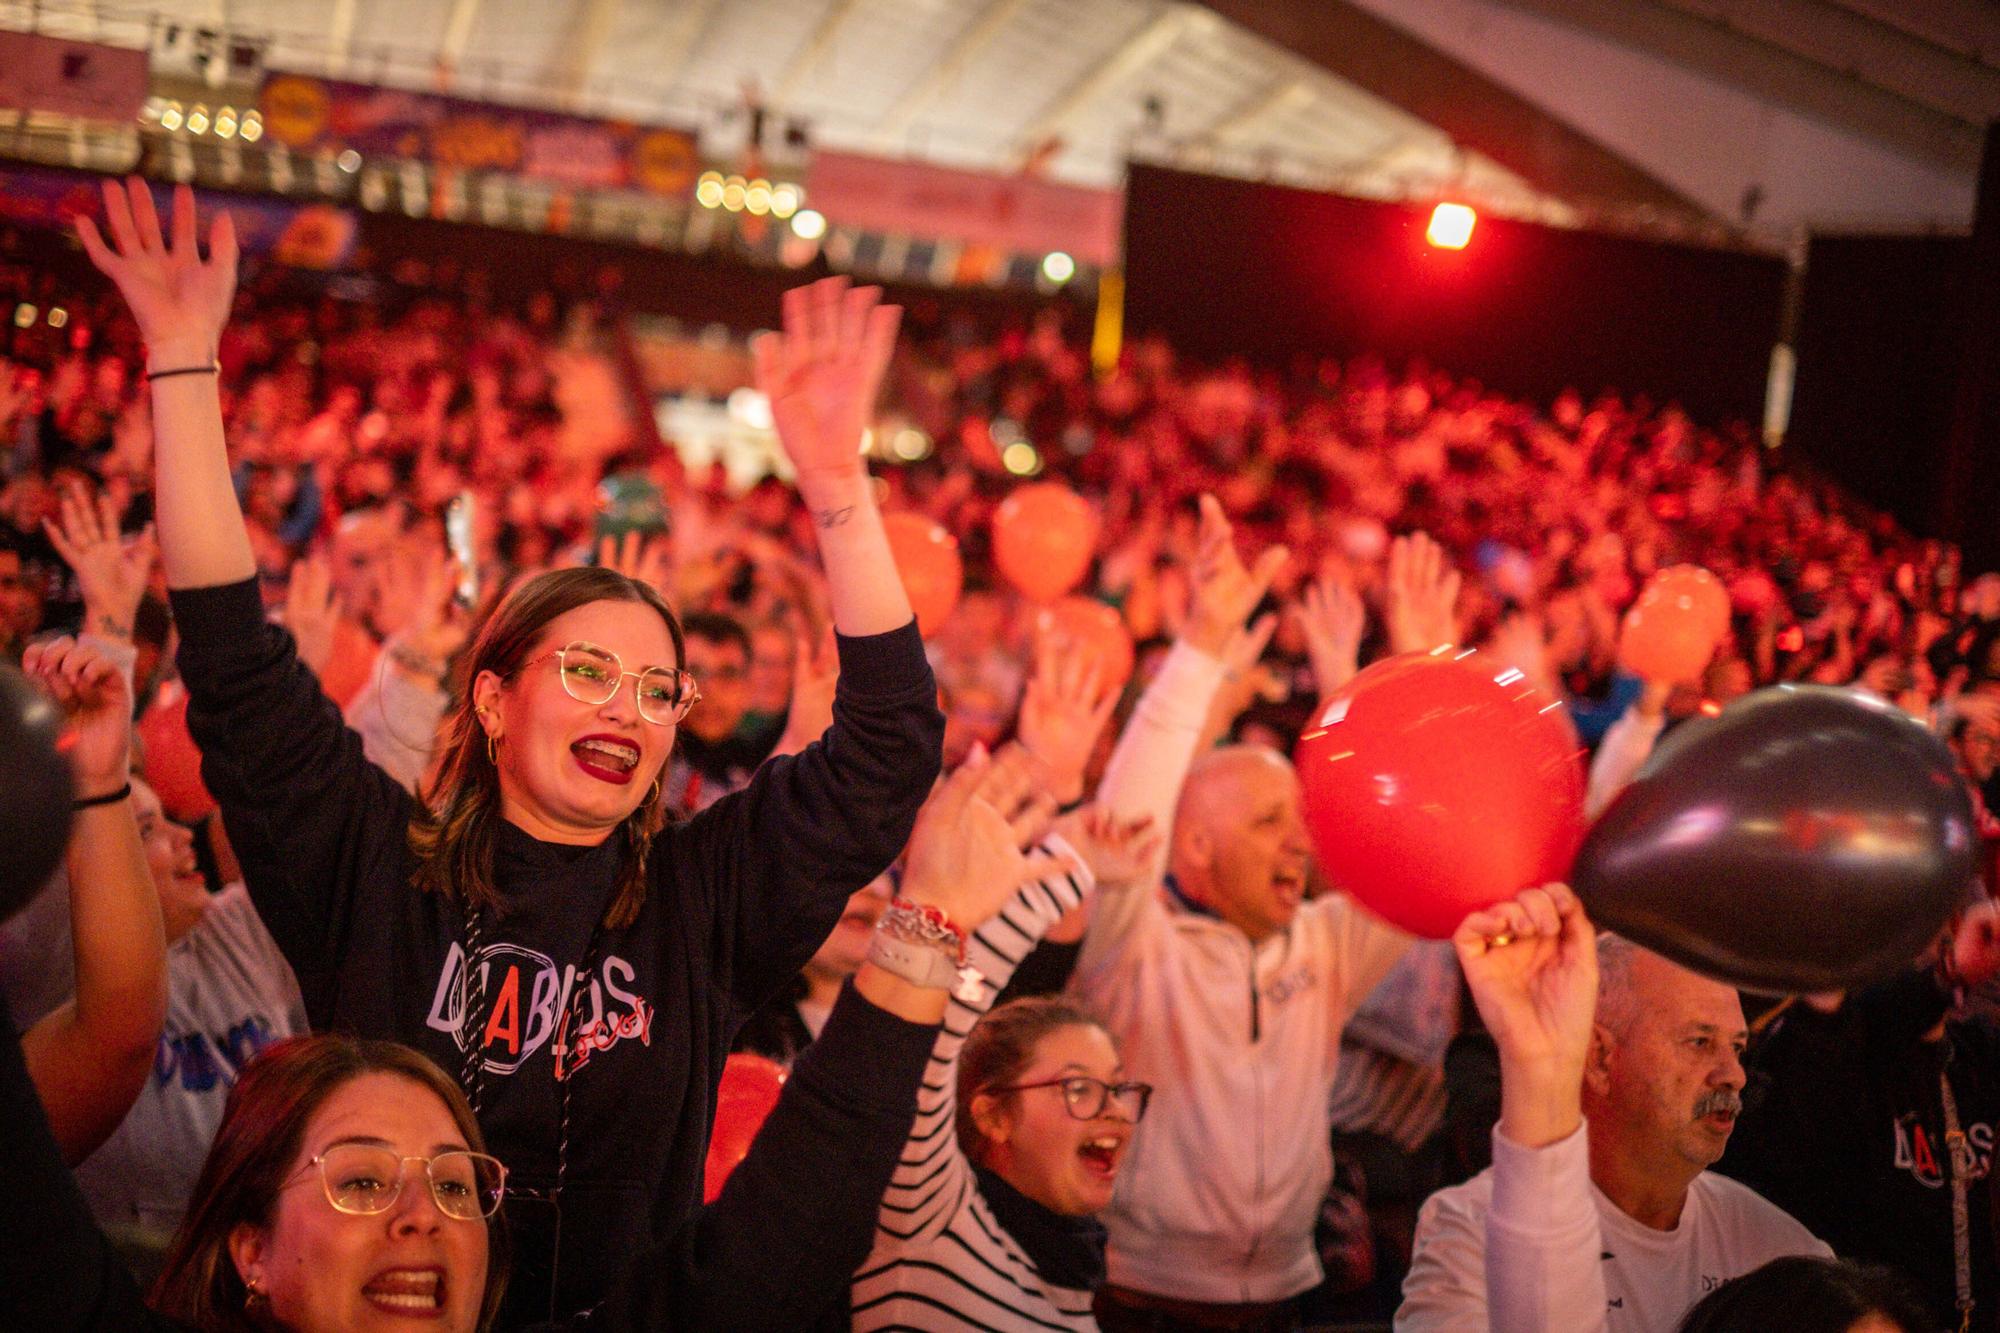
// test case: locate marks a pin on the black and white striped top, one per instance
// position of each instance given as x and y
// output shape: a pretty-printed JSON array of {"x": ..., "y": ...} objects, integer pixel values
[{"x": 941, "y": 1262}]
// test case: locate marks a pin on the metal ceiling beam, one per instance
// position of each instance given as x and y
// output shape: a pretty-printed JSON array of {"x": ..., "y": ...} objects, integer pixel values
[
  {"x": 1969, "y": 28},
  {"x": 945, "y": 71},
  {"x": 1380, "y": 58},
  {"x": 812, "y": 51},
  {"x": 1133, "y": 54},
  {"x": 1776, "y": 76},
  {"x": 1236, "y": 119},
  {"x": 677, "y": 43},
  {"x": 586, "y": 41},
  {"x": 339, "y": 36},
  {"x": 1855, "y": 47},
  {"x": 457, "y": 36}
]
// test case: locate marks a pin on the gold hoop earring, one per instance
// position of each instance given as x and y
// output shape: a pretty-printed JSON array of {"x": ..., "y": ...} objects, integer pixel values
[
  {"x": 492, "y": 749},
  {"x": 653, "y": 792}
]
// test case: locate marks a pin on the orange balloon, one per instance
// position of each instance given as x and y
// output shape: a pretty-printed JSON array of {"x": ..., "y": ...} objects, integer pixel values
[
  {"x": 927, "y": 558},
  {"x": 1667, "y": 636},
  {"x": 1043, "y": 537},
  {"x": 750, "y": 1087},
  {"x": 1707, "y": 591},
  {"x": 1093, "y": 628}
]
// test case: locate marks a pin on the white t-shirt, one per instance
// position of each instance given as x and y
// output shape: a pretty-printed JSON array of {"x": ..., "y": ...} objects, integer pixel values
[
  {"x": 1563, "y": 1256},
  {"x": 230, "y": 994}
]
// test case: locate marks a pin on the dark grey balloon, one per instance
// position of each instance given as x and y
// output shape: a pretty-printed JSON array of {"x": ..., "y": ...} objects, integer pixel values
[
  {"x": 34, "y": 791},
  {"x": 1808, "y": 838}
]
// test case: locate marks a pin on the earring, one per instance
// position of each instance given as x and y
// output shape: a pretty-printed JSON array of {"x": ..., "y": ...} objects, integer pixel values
[
  {"x": 653, "y": 792},
  {"x": 253, "y": 1295},
  {"x": 492, "y": 749}
]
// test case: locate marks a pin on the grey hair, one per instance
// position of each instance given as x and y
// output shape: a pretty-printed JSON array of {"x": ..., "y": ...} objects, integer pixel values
[{"x": 1617, "y": 1002}]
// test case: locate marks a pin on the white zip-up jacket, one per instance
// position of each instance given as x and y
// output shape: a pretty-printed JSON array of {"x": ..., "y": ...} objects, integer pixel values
[{"x": 1219, "y": 1192}]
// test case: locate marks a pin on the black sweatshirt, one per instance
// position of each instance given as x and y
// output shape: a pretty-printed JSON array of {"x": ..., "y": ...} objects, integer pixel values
[
  {"x": 1844, "y": 1129},
  {"x": 774, "y": 1251},
  {"x": 739, "y": 898}
]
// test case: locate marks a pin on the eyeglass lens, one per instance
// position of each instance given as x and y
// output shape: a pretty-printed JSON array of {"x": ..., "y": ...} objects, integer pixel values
[
  {"x": 592, "y": 675},
  {"x": 1085, "y": 1098},
  {"x": 364, "y": 1179}
]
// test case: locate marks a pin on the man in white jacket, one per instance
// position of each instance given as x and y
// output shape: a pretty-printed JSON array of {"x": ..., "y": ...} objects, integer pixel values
[
  {"x": 1226, "y": 992},
  {"x": 1613, "y": 1225}
]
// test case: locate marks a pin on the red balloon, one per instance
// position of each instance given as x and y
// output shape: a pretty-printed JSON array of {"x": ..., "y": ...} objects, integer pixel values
[
  {"x": 1043, "y": 537},
  {"x": 1754, "y": 592},
  {"x": 927, "y": 558},
  {"x": 1436, "y": 786},
  {"x": 1094, "y": 628},
  {"x": 1669, "y": 634},
  {"x": 750, "y": 1087}
]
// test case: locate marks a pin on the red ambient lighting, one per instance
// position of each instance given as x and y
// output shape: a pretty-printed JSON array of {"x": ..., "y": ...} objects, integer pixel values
[{"x": 1451, "y": 226}]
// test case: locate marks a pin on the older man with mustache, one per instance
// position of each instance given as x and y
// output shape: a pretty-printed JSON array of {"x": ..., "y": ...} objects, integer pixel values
[{"x": 1621, "y": 1078}]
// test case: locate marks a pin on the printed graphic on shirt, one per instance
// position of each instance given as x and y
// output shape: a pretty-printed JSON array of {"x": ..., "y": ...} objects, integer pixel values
[
  {"x": 1923, "y": 1154},
  {"x": 1289, "y": 985},
  {"x": 527, "y": 996},
  {"x": 205, "y": 1061}
]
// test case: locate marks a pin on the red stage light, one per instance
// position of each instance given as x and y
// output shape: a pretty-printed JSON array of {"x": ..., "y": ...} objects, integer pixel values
[{"x": 1451, "y": 226}]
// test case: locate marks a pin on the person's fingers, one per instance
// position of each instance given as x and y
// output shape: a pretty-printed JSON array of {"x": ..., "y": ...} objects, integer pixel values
[
  {"x": 852, "y": 314},
  {"x": 145, "y": 216},
  {"x": 1479, "y": 929},
  {"x": 93, "y": 245},
  {"x": 1030, "y": 822},
  {"x": 1267, "y": 567},
  {"x": 878, "y": 344},
  {"x": 1008, "y": 781},
  {"x": 118, "y": 213},
  {"x": 56, "y": 538},
  {"x": 1258, "y": 637},
  {"x": 183, "y": 241},
  {"x": 605, "y": 553},
  {"x": 1541, "y": 912},
  {"x": 222, "y": 248},
  {"x": 107, "y": 515}
]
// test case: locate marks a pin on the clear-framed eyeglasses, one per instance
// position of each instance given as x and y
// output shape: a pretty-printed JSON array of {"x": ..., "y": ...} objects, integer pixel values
[
  {"x": 592, "y": 675},
  {"x": 365, "y": 1179},
  {"x": 1085, "y": 1097}
]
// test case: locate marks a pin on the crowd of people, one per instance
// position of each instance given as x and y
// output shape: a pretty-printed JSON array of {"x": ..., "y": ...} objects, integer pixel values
[{"x": 400, "y": 950}]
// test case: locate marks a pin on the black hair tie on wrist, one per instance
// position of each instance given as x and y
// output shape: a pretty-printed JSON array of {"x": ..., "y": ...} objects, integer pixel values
[
  {"x": 109, "y": 798},
  {"x": 212, "y": 368}
]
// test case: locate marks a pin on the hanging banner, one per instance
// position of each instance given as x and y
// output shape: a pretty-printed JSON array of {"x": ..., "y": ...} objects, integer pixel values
[
  {"x": 65, "y": 78},
  {"x": 301, "y": 235},
  {"x": 1019, "y": 214},
  {"x": 308, "y": 114}
]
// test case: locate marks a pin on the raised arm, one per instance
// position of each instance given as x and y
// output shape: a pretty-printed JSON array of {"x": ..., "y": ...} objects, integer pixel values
[
  {"x": 181, "y": 303},
  {"x": 822, "y": 375},
  {"x": 90, "y": 1057},
  {"x": 1531, "y": 964}
]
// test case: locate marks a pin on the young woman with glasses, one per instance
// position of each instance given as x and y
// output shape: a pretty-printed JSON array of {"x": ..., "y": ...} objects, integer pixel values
[
  {"x": 1022, "y": 1120},
  {"x": 529, "y": 921},
  {"x": 350, "y": 1185}
]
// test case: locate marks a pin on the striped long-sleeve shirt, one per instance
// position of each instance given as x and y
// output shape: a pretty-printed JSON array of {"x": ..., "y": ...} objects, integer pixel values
[{"x": 941, "y": 1262}]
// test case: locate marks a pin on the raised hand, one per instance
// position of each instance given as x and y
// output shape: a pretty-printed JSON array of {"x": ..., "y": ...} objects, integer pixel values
[
  {"x": 968, "y": 853},
  {"x": 180, "y": 300},
  {"x": 111, "y": 571},
  {"x": 311, "y": 611},
  {"x": 815, "y": 679},
  {"x": 1531, "y": 964},
  {"x": 98, "y": 705},
  {"x": 822, "y": 374},
  {"x": 1117, "y": 851},
  {"x": 645, "y": 559},
  {"x": 1420, "y": 595},
  {"x": 1331, "y": 617},
  {"x": 433, "y": 624},
  {"x": 1225, "y": 591},
  {"x": 1063, "y": 712}
]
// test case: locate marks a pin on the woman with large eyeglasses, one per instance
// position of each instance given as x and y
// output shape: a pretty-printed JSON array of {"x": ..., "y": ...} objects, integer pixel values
[
  {"x": 350, "y": 1187},
  {"x": 530, "y": 922},
  {"x": 1022, "y": 1120}
]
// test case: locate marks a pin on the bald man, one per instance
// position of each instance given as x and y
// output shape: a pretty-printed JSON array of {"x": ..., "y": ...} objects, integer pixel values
[
  {"x": 1621, "y": 1077},
  {"x": 1227, "y": 991}
]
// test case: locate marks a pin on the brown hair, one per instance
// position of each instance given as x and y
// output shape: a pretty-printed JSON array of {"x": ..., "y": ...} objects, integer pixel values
[
  {"x": 1001, "y": 1046},
  {"x": 263, "y": 1127},
  {"x": 459, "y": 816}
]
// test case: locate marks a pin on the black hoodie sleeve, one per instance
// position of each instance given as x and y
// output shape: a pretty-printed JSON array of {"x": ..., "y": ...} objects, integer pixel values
[
  {"x": 59, "y": 1272},
  {"x": 778, "y": 1247},
  {"x": 285, "y": 768},
  {"x": 777, "y": 860}
]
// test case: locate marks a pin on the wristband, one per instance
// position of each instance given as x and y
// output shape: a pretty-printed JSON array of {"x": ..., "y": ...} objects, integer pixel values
[
  {"x": 923, "y": 964},
  {"x": 924, "y": 925},
  {"x": 212, "y": 368},
  {"x": 108, "y": 798}
]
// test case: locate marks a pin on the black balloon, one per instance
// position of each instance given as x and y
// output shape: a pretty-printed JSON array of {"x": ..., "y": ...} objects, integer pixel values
[
  {"x": 1808, "y": 838},
  {"x": 34, "y": 791}
]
